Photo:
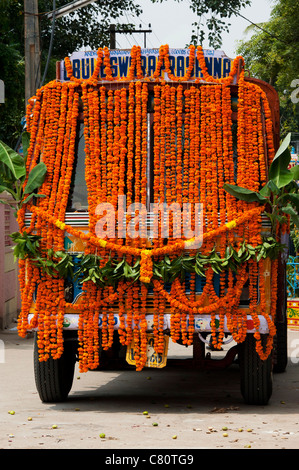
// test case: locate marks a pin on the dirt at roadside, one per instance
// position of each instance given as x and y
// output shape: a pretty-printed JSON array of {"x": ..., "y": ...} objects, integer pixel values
[{"x": 172, "y": 408}]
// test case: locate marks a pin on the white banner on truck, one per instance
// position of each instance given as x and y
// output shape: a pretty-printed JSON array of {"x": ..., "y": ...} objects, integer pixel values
[{"x": 83, "y": 63}]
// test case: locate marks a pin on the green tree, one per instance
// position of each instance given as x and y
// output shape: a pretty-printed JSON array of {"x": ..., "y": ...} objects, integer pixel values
[
  {"x": 271, "y": 54},
  {"x": 11, "y": 70},
  {"x": 88, "y": 26},
  {"x": 214, "y": 16}
]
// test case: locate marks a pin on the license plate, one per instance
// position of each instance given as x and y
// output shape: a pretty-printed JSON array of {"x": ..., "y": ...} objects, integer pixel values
[{"x": 154, "y": 359}]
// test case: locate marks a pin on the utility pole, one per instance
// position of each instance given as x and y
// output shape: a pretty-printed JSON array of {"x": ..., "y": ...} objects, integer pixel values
[
  {"x": 32, "y": 48},
  {"x": 113, "y": 30},
  {"x": 112, "y": 36}
]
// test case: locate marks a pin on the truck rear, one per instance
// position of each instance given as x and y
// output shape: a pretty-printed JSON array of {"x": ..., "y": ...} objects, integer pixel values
[{"x": 139, "y": 244}]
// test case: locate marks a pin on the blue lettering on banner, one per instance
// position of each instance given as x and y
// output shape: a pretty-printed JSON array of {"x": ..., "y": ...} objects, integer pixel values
[
  {"x": 143, "y": 65},
  {"x": 87, "y": 67},
  {"x": 198, "y": 72},
  {"x": 65, "y": 77},
  {"x": 217, "y": 67},
  {"x": 90, "y": 53},
  {"x": 114, "y": 66},
  {"x": 209, "y": 64},
  {"x": 172, "y": 63},
  {"x": 123, "y": 65},
  {"x": 151, "y": 64},
  {"x": 102, "y": 71},
  {"x": 180, "y": 69},
  {"x": 226, "y": 66},
  {"x": 83, "y": 67},
  {"x": 76, "y": 68}
]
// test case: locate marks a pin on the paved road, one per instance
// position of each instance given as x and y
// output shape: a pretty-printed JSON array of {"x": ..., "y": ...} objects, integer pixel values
[{"x": 189, "y": 407}]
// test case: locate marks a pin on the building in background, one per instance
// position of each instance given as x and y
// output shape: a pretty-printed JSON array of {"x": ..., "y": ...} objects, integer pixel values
[{"x": 9, "y": 287}]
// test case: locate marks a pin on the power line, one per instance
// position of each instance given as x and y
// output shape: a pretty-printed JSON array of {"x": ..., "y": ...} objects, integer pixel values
[
  {"x": 132, "y": 20},
  {"x": 51, "y": 43},
  {"x": 68, "y": 8},
  {"x": 136, "y": 41},
  {"x": 153, "y": 32},
  {"x": 235, "y": 12},
  {"x": 114, "y": 30},
  {"x": 258, "y": 26}
]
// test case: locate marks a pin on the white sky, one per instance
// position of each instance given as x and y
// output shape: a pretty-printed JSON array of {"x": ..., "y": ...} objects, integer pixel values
[{"x": 171, "y": 23}]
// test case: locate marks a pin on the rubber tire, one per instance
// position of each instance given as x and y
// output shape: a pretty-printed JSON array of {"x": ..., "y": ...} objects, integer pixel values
[
  {"x": 280, "y": 347},
  {"x": 255, "y": 374},
  {"x": 54, "y": 377}
]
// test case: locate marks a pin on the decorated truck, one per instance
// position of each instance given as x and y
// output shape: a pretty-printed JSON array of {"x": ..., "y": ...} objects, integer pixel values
[{"x": 153, "y": 223}]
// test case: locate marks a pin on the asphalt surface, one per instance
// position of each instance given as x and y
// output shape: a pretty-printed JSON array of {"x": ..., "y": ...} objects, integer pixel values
[{"x": 171, "y": 408}]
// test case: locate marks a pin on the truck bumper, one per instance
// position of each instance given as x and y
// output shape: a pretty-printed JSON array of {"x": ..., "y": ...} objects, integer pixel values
[{"x": 202, "y": 323}]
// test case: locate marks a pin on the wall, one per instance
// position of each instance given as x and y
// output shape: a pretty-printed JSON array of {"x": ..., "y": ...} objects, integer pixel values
[{"x": 9, "y": 288}]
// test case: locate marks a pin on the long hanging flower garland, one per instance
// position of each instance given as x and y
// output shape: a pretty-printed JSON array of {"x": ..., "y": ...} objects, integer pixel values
[{"x": 192, "y": 159}]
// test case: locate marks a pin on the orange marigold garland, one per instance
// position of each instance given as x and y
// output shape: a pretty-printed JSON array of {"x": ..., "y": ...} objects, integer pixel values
[{"x": 192, "y": 147}]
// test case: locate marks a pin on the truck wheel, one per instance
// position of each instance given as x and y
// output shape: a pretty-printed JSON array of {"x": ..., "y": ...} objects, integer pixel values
[
  {"x": 280, "y": 347},
  {"x": 54, "y": 377},
  {"x": 255, "y": 374}
]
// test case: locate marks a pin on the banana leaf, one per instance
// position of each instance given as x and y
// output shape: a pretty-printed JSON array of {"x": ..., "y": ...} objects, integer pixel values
[
  {"x": 244, "y": 194},
  {"x": 36, "y": 178},
  {"x": 13, "y": 161}
]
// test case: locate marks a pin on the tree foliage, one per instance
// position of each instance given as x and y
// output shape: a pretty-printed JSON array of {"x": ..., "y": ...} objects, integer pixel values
[
  {"x": 273, "y": 57},
  {"x": 88, "y": 26},
  {"x": 12, "y": 70},
  {"x": 213, "y": 16}
]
